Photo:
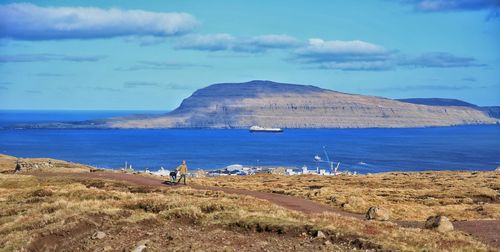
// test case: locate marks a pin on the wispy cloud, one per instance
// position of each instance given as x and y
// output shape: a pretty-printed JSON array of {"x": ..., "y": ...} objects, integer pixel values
[
  {"x": 17, "y": 58},
  {"x": 159, "y": 65},
  {"x": 137, "y": 84},
  {"x": 453, "y": 5},
  {"x": 33, "y": 91},
  {"x": 440, "y": 60},
  {"x": 353, "y": 55},
  {"x": 212, "y": 42},
  {"x": 50, "y": 75},
  {"x": 435, "y": 87},
  {"x": 174, "y": 86},
  {"x": 319, "y": 50},
  {"x": 364, "y": 56},
  {"x": 147, "y": 84},
  {"x": 266, "y": 42},
  {"x": 27, "y": 21},
  {"x": 106, "y": 89},
  {"x": 146, "y": 40},
  {"x": 357, "y": 66},
  {"x": 227, "y": 42}
]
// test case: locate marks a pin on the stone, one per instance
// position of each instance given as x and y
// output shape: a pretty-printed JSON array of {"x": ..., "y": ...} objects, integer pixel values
[
  {"x": 98, "y": 235},
  {"x": 139, "y": 248},
  {"x": 439, "y": 223},
  {"x": 142, "y": 242},
  {"x": 333, "y": 199},
  {"x": 320, "y": 234},
  {"x": 375, "y": 213}
]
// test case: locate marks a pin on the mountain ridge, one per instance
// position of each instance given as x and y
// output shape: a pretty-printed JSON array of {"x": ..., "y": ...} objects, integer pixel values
[{"x": 273, "y": 104}]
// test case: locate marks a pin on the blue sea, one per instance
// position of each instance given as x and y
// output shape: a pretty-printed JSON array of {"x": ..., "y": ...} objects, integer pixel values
[{"x": 361, "y": 150}]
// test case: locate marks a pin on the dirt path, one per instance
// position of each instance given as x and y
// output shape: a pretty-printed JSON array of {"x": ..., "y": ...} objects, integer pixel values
[{"x": 486, "y": 231}]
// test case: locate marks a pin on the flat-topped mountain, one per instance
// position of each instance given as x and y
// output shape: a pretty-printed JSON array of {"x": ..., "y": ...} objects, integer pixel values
[
  {"x": 439, "y": 102},
  {"x": 491, "y": 111},
  {"x": 271, "y": 104}
]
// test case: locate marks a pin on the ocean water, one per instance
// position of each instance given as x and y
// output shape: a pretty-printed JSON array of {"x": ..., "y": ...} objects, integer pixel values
[{"x": 361, "y": 150}]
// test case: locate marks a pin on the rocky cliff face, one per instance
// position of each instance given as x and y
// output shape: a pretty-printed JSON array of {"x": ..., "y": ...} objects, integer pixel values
[{"x": 271, "y": 104}]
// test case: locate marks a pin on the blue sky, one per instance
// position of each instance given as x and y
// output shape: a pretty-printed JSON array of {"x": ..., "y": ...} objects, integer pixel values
[{"x": 149, "y": 55}]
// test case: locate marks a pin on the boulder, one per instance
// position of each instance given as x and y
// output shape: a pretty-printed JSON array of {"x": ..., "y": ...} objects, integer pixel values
[
  {"x": 439, "y": 223},
  {"x": 139, "y": 248},
  {"x": 98, "y": 235},
  {"x": 320, "y": 234},
  {"x": 142, "y": 242},
  {"x": 375, "y": 213}
]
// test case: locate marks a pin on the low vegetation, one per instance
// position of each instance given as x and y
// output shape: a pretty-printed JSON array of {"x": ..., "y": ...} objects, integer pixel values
[
  {"x": 407, "y": 196},
  {"x": 50, "y": 213},
  {"x": 67, "y": 212}
]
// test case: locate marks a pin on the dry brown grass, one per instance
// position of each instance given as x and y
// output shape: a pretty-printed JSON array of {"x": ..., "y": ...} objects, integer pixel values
[
  {"x": 408, "y": 196},
  {"x": 32, "y": 207},
  {"x": 8, "y": 165}
]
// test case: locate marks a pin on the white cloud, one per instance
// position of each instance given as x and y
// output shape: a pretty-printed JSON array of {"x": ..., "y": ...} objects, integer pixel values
[
  {"x": 358, "y": 66},
  {"x": 26, "y": 21},
  {"x": 211, "y": 42},
  {"x": 265, "y": 42},
  {"x": 227, "y": 42},
  {"x": 319, "y": 50},
  {"x": 358, "y": 55}
]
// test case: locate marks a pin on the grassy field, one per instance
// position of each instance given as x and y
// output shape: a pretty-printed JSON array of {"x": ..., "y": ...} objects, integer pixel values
[
  {"x": 8, "y": 164},
  {"x": 47, "y": 213},
  {"x": 63, "y": 213},
  {"x": 407, "y": 196}
]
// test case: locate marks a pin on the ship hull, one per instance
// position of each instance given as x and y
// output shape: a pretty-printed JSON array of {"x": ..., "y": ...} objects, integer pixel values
[{"x": 267, "y": 131}]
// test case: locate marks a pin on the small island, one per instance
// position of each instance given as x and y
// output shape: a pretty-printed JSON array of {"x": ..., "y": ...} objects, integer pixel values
[{"x": 280, "y": 105}]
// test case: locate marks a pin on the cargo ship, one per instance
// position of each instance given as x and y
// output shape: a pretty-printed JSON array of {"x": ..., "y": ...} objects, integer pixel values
[{"x": 263, "y": 129}]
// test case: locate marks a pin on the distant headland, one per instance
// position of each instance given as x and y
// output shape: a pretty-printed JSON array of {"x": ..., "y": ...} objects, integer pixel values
[{"x": 272, "y": 104}]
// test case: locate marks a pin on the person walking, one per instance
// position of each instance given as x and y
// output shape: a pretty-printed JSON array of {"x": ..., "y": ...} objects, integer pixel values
[{"x": 183, "y": 170}]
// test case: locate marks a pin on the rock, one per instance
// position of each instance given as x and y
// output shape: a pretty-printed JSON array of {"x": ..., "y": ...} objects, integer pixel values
[
  {"x": 98, "y": 235},
  {"x": 142, "y": 242},
  {"x": 139, "y": 248},
  {"x": 320, "y": 234},
  {"x": 439, "y": 223},
  {"x": 333, "y": 199},
  {"x": 345, "y": 205},
  {"x": 375, "y": 213},
  {"x": 497, "y": 169}
]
